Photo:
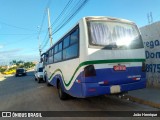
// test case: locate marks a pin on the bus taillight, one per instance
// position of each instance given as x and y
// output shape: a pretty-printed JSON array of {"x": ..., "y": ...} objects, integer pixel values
[
  {"x": 143, "y": 67},
  {"x": 89, "y": 71}
]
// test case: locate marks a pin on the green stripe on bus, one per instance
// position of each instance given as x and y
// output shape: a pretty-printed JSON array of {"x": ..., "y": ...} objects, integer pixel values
[
  {"x": 55, "y": 72},
  {"x": 95, "y": 62}
]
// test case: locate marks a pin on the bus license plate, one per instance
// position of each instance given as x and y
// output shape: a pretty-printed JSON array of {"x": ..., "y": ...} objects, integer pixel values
[
  {"x": 115, "y": 89},
  {"x": 119, "y": 68}
]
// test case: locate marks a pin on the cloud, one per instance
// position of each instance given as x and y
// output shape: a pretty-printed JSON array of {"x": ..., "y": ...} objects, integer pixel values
[
  {"x": 1, "y": 46},
  {"x": 17, "y": 54},
  {"x": 6, "y": 55},
  {"x": 10, "y": 51}
]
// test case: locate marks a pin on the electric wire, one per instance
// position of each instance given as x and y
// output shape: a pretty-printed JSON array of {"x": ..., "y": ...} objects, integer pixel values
[
  {"x": 42, "y": 23},
  {"x": 67, "y": 17},
  {"x": 44, "y": 15},
  {"x": 77, "y": 8},
  {"x": 4, "y": 23},
  {"x": 45, "y": 44},
  {"x": 63, "y": 11},
  {"x": 57, "y": 19}
]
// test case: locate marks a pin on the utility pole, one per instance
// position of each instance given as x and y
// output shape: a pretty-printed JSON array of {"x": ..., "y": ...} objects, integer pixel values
[
  {"x": 39, "y": 46},
  {"x": 150, "y": 18},
  {"x": 49, "y": 27}
]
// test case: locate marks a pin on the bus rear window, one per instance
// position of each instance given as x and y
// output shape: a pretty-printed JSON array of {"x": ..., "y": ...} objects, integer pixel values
[{"x": 114, "y": 35}]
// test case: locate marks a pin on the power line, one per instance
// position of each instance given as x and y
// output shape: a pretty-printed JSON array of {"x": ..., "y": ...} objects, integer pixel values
[
  {"x": 64, "y": 14},
  {"x": 44, "y": 38},
  {"x": 45, "y": 41},
  {"x": 77, "y": 8},
  {"x": 15, "y": 26},
  {"x": 21, "y": 40},
  {"x": 63, "y": 11},
  {"x": 17, "y": 34},
  {"x": 45, "y": 44},
  {"x": 44, "y": 15},
  {"x": 57, "y": 19},
  {"x": 68, "y": 16}
]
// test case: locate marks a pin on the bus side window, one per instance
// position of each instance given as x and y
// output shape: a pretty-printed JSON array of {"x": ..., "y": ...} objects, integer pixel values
[
  {"x": 66, "y": 42},
  {"x": 56, "y": 49},
  {"x": 51, "y": 56},
  {"x": 60, "y": 46},
  {"x": 74, "y": 37},
  {"x": 46, "y": 61},
  {"x": 50, "y": 53},
  {"x": 72, "y": 50}
]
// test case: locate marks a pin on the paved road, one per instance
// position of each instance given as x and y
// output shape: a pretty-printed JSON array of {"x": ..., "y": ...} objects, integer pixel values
[{"x": 25, "y": 94}]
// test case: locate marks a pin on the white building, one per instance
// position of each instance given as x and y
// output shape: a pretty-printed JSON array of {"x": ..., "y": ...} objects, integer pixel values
[{"x": 151, "y": 39}]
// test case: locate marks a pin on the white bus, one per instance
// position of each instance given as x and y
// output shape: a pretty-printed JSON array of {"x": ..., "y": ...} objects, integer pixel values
[{"x": 99, "y": 55}]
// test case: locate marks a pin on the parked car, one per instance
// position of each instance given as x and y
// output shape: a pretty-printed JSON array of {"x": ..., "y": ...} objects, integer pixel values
[
  {"x": 20, "y": 72},
  {"x": 39, "y": 72}
]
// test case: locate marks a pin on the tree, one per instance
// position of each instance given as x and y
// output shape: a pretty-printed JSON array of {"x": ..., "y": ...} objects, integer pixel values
[
  {"x": 20, "y": 62},
  {"x": 13, "y": 62},
  {"x": 2, "y": 69},
  {"x": 28, "y": 64}
]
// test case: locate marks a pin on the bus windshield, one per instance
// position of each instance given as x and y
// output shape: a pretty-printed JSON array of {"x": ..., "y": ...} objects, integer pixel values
[{"x": 114, "y": 35}]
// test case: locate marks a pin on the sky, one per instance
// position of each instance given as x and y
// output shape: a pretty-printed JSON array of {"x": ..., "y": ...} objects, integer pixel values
[{"x": 21, "y": 22}]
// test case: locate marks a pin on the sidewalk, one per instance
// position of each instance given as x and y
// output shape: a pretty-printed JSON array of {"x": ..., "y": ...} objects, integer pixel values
[
  {"x": 1, "y": 77},
  {"x": 147, "y": 96}
]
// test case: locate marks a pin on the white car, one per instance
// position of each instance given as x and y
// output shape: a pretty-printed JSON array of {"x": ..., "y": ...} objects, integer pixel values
[{"x": 39, "y": 72}]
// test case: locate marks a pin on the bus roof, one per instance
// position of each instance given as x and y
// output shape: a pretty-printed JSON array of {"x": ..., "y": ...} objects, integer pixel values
[
  {"x": 94, "y": 18},
  {"x": 107, "y": 18}
]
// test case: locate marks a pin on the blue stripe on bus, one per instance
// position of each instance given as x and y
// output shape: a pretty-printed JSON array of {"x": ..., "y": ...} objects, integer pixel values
[
  {"x": 88, "y": 85},
  {"x": 102, "y": 90},
  {"x": 115, "y": 77}
]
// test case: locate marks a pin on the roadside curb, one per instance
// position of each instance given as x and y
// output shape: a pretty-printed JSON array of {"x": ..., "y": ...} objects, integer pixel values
[
  {"x": 1, "y": 78},
  {"x": 141, "y": 101}
]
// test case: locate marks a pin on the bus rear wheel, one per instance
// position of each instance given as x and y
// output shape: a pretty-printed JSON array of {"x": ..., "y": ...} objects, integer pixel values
[
  {"x": 61, "y": 93},
  {"x": 46, "y": 81},
  {"x": 39, "y": 80}
]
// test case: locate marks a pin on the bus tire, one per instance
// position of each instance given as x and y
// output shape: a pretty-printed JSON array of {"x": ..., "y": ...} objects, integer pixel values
[
  {"x": 48, "y": 84},
  {"x": 61, "y": 93},
  {"x": 46, "y": 80},
  {"x": 39, "y": 80}
]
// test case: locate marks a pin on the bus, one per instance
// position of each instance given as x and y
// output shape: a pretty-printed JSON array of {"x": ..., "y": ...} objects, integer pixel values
[{"x": 99, "y": 55}]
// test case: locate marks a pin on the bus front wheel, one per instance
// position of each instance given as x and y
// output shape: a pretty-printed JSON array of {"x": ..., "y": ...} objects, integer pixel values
[{"x": 61, "y": 93}]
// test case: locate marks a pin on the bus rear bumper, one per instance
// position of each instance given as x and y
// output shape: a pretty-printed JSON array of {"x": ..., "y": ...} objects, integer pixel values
[{"x": 94, "y": 89}]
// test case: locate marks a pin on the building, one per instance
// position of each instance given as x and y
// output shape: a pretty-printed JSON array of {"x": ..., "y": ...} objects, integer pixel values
[{"x": 151, "y": 39}]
